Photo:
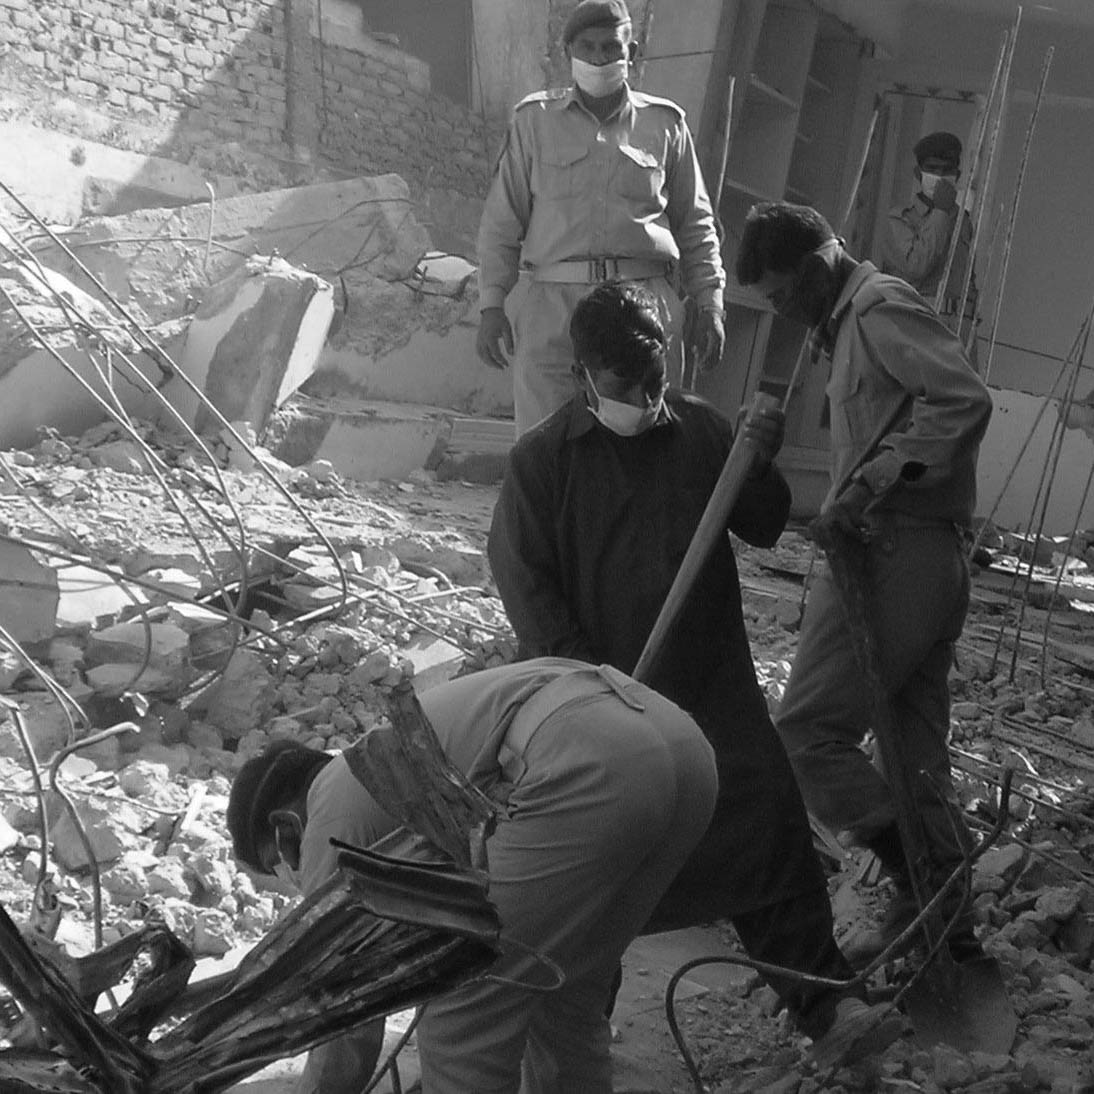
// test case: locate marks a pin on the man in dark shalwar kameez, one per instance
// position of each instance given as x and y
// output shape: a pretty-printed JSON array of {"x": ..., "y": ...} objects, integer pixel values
[{"x": 597, "y": 509}]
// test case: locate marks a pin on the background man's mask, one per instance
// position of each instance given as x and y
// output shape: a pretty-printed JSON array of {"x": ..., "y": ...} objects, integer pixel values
[
  {"x": 598, "y": 80},
  {"x": 928, "y": 183}
]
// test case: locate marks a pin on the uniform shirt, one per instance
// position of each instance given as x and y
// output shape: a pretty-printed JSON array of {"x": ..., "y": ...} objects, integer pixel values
[
  {"x": 568, "y": 187},
  {"x": 902, "y": 385},
  {"x": 589, "y": 532},
  {"x": 917, "y": 246},
  {"x": 470, "y": 716}
]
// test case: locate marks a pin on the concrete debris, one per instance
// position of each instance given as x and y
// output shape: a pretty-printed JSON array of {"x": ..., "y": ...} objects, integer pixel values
[
  {"x": 254, "y": 339},
  {"x": 64, "y": 178},
  {"x": 55, "y": 346},
  {"x": 421, "y": 607},
  {"x": 28, "y": 594}
]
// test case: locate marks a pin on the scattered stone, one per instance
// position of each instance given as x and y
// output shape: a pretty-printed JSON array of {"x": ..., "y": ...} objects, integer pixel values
[
  {"x": 240, "y": 700},
  {"x": 120, "y": 456},
  {"x": 99, "y": 824},
  {"x": 214, "y": 935}
]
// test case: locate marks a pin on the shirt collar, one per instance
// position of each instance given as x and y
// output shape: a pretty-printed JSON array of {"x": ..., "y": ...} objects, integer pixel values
[
  {"x": 824, "y": 335},
  {"x": 571, "y": 98}
]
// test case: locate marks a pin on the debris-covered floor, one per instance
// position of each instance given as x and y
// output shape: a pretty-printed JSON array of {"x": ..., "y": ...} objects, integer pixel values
[{"x": 310, "y": 596}]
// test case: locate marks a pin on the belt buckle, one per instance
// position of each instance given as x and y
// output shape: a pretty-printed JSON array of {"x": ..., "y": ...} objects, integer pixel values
[{"x": 598, "y": 269}]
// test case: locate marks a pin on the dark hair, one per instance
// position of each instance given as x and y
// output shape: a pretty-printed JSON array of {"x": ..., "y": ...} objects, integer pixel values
[
  {"x": 777, "y": 236},
  {"x": 617, "y": 327},
  {"x": 272, "y": 778}
]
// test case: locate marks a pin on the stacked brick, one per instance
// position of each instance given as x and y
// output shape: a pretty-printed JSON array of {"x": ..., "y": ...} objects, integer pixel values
[
  {"x": 377, "y": 115},
  {"x": 209, "y": 71}
]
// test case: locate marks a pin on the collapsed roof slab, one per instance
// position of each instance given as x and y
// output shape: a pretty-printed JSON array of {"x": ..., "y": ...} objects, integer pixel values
[
  {"x": 404, "y": 329},
  {"x": 161, "y": 262},
  {"x": 253, "y": 341},
  {"x": 56, "y": 363}
]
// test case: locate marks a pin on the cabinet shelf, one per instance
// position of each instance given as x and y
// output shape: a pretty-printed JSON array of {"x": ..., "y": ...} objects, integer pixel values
[
  {"x": 746, "y": 297},
  {"x": 745, "y": 188},
  {"x": 765, "y": 91}
]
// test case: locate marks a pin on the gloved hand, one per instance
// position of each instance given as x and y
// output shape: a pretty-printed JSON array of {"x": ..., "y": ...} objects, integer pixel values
[
  {"x": 945, "y": 195},
  {"x": 710, "y": 340},
  {"x": 494, "y": 333},
  {"x": 846, "y": 515},
  {"x": 764, "y": 430}
]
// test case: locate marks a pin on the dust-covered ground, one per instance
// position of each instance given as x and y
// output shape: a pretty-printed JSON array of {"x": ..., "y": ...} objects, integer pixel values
[{"x": 215, "y": 612}]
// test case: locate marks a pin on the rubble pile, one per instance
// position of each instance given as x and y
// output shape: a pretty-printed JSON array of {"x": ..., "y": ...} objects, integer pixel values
[
  {"x": 1033, "y": 893},
  {"x": 1035, "y": 921},
  {"x": 218, "y": 605},
  {"x": 272, "y": 621}
]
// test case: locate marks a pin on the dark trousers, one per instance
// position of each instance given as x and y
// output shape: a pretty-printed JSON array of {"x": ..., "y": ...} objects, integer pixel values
[{"x": 918, "y": 593}]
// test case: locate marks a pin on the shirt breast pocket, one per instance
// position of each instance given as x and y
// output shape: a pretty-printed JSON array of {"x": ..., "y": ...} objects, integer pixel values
[
  {"x": 641, "y": 175},
  {"x": 560, "y": 170},
  {"x": 853, "y": 410}
]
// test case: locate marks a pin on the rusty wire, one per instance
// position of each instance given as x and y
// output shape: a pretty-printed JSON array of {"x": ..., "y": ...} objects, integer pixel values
[{"x": 142, "y": 336}]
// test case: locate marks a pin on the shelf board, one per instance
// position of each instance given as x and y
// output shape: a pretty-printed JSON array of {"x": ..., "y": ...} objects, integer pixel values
[
  {"x": 816, "y": 84},
  {"x": 771, "y": 94},
  {"x": 746, "y": 188},
  {"x": 746, "y": 297}
]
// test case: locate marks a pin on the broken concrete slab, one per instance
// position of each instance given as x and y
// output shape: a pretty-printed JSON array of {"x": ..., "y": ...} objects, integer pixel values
[
  {"x": 435, "y": 660},
  {"x": 362, "y": 440},
  {"x": 64, "y": 178},
  {"x": 241, "y": 698},
  {"x": 51, "y": 372},
  {"x": 254, "y": 339},
  {"x": 476, "y": 450},
  {"x": 156, "y": 262},
  {"x": 160, "y": 645},
  {"x": 28, "y": 594},
  {"x": 90, "y": 598},
  {"x": 404, "y": 332}
]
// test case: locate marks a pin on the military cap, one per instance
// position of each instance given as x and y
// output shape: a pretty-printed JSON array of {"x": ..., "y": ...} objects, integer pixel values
[
  {"x": 938, "y": 146},
  {"x": 595, "y": 13}
]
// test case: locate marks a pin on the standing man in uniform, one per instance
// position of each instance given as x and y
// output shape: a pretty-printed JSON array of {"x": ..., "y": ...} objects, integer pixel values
[
  {"x": 598, "y": 507},
  {"x": 604, "y": 789},
  {"x": 917, "y": 243},
  {"x": 597, "y": 181},
  {"x": 908, "y": 413}
]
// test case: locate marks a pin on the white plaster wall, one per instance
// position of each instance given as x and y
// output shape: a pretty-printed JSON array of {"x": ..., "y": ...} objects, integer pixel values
[
  {"x": 677, "y": 60},
  {"x": 433, "y": 368},
  {"x": 510, "y": 53},
  {"x": 1012, "y": 423}
]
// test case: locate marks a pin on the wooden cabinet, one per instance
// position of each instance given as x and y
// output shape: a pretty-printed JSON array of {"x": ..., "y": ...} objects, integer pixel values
[{"x": 796, "y": 73}]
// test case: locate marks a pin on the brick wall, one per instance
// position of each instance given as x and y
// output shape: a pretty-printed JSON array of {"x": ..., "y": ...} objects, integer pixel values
[
  {"x": 376, "y": 112},
  {"x": 212, "y": 71}
]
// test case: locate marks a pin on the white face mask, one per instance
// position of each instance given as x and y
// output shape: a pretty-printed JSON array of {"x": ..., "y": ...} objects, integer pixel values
[
  {"x": 598, "y": 80},
  {"x": 928, "y": 183},
  {"x": 624, "y": 419}
]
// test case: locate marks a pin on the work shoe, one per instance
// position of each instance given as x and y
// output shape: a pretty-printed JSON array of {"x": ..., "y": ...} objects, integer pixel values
[
  {"x": 858, "y": 1030},
  {"x": 865, "y": 945}
]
